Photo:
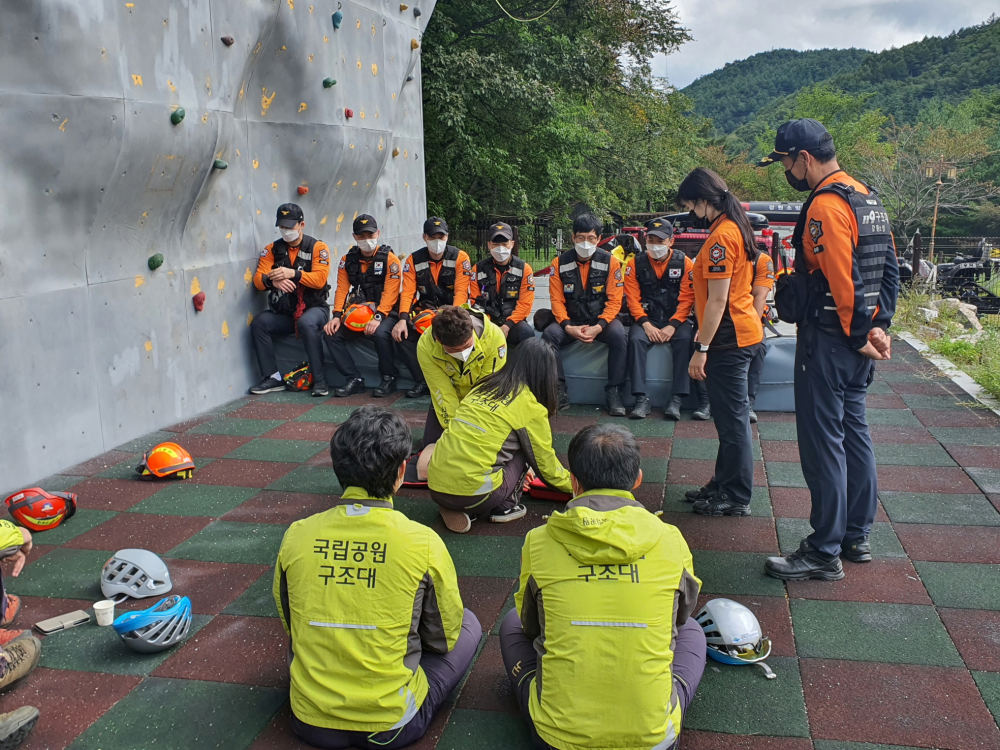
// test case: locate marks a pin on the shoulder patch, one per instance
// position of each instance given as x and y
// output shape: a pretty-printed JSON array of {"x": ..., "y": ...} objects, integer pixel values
[
  {"x": 394, "y": 268},
  {"x": 770, "y": 266},
  {"x": 531, "y": 279},
  {"x": 406, "y": 266},
  {"x": 717, "y": 253},
  {"x": 691, "y": 275},
  {"x": 466, "y": 265},
  {"x": 502, "y": 352},
  {"x": 815, "y": 229},
  {"x": 618, "y": 274},
  {"x": 341, "y": 264},
  {"x": 628, "y": 270},
  {"x": 263, "y": 253}
]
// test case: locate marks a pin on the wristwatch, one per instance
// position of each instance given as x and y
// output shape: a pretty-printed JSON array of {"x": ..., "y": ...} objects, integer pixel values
[{"x": 702, "y": 347}]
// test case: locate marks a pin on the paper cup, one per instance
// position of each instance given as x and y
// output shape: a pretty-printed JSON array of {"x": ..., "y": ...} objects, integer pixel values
[{"x": 105, "y": 611}]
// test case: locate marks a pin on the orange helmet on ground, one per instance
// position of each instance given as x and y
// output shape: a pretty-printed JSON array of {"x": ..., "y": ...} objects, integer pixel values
[
  {"x": 356, "y": 317},
  {"x": 39, "y": 510},
  {"x": 299, "y": 379},
  {"x": 166, "y": 460},
  {"x": 423, "y": 320}
]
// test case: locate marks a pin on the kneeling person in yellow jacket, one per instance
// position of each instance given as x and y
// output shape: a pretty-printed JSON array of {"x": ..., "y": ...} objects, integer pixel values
[
  {"x": 499, "y": 434},
  {"x": 370, "y": 600},
  {"x": 601, "y": 649}
]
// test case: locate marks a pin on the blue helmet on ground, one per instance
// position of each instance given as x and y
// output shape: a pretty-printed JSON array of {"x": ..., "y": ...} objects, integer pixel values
[
  {"x": 163, "y": 625},
  {"x": 733, "y": 633}
]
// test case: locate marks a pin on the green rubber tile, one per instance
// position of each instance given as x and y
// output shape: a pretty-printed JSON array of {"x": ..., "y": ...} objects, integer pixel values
[
  {"x": 911, "y": 376},
  {"x": 985, "y": 436},
  {"x": 90, "y": 648},
  {"x": 497, "y": 556},
  {"x": 654, "y": 470},
  {"x": 777, "y": 431},
  {"x": 987, "y": 479},
  {"x": 291, "y": 451},
  {"x": 484, "y": 730},
  {"x": 674, "y": 502},
  {"x": 235, "y": 426},
  {"x": 919, "y": 401},
  {"x": 318, "y": 480},
  {"x": 784, "y": 474},
  {"x": 928, "y": 507},
  {"x": 147, "y": 442},
  {"x": 649, "y": 427},
  {"x": 893, "y": 417},
  {"x": 416, "y": 436},
  {"x": 738, "y": 700},
  {"x": 59, "y": 482},
  {"x": 232, "y": 542},
  {"x": 912, "y": 455},
  {"x": 560, "y": 441},
  {"x": 327, "y": 413},
  {"x": 989, "y": 687},
  {"x": 735, "y": 573},
  {"x": 282, "y": 397},
  {"x": 421, "y": 510},
  {"x": 257, "y": 600},
  {"x": 839, "y": 745},
  {"x": 82, "y": 521},
  {"x": 883, "y": 539},
  {"x": 866, "y": 631},
  {"x": 959, "y": 585},
  {"x": 589, "y": 411},
  {"x": 880, "y": 386},
  {"x": 195, "y": 500},
  {"x": 184, "y": 715},
  {"x": 62, "y": 574},
  {"x": 413, "y": 404}
]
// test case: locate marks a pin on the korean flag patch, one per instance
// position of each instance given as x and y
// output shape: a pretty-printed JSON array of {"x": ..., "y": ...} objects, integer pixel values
[
  {"x": 676, "y": 273},
  {"x": 717, "y": 253},
  {"x": 263, "y": 253},
  {"x": 378, "y": 266},
  {"x": 568, "y": 288}
]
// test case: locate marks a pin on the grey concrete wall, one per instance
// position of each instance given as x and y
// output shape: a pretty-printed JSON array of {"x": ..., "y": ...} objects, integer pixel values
[{"x": 96, "y": 349}]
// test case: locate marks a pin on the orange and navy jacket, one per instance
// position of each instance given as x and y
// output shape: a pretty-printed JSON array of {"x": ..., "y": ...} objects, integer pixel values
[
  {"x": 724, "y": 257},
  {"x": 615, "y": 291},
  {"x": 765, "y": 271},
  {"x": 525, "y": 297},
  {"x": 633, "y": 291},
  {"x": 463, "y": 270},
  {"x": 390, "y": 292},
  {"x": 315, "y": 279}
]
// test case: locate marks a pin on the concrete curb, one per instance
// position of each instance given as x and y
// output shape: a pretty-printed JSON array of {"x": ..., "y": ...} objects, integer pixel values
[{"x": 957, "y": 376}]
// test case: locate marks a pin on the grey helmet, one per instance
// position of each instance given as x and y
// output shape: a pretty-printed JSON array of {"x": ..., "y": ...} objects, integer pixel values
[
  {"x": 163, "y": 625},
  {"x": 136, "y": 573}
]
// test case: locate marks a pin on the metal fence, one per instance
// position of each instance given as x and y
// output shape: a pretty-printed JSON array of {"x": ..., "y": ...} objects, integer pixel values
[
  {"x": 946, "y": 249},
  {"x": 535, "y": 241}
]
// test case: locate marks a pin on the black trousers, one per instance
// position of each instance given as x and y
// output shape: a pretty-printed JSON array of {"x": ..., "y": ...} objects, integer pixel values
[
  {"x": 681, "y": 346},
  {"x": 408, "y": 350},
  {"x": 344, "y": 362},
  {"x": 754, "y": 373},
  {"x": 726, "y": 373},
  {"x": 520, "y": 332},
  {"x": 613, "y": 335},
  {"x": 267, "y": 325}
]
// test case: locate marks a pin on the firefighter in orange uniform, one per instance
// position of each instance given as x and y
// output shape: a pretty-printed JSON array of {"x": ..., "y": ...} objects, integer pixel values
[{"x": 503, "y": 286}]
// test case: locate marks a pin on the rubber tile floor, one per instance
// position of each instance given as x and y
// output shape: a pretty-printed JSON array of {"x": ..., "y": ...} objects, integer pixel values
[{"x": 903, "y": 653}]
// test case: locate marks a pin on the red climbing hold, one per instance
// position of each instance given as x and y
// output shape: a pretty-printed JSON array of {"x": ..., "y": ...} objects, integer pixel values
[
  {"x": 303, "y": 190},
  {"x": 199, "y": 301},
  {"x": 349, "y": 113}
]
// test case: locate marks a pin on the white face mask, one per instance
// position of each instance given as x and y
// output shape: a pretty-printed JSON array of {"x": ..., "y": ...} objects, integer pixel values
[
  {"x": 289, "y": 235},
  {"x": 368, "y": 246},
  {"x": 585, "y": 249},
  {"x": 500, "y": 254},
  {"x": 464, "y": 354},
  {"x": 658, "y": 252},
  {"x": 437, "y": 247}
]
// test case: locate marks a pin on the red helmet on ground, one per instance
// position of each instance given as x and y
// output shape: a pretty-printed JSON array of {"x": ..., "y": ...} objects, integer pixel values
[
  {"x": 299, "y": 379},
  {"x": 166, "y": 460},
  {"x": 423, "y": 320},
  {"x": 39, "y": 510},
  {"x": 356, "y": 317}
]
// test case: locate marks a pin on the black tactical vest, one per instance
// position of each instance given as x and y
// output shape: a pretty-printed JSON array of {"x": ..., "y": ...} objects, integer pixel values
[
  {"x": 431, "y": 295},
  {"x": 282, "y": 303},
  {"x": 874, "y": 241},
  {"x": 659, "y": 295},
  {"x": 499, "y": 305},
  {"x": 367, "y": 286},
  {"x": 584, "y": 306}
]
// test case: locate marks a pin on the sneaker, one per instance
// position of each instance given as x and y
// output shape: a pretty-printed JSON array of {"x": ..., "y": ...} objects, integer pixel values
[
  {"x": 22, "y": 657},
  {"x": 563, "y": 398},
  {"x": 418, "y": 391},
  {"x": 455, "y": 520},
  {"x": 803, "y": 564},
  {"x": 858, "y": 551},
  {"x": 16, "y": 726},
  {"x": 386, "y": 388},
  {"x": 268, "y": 385},
  {"x": 13, "y": 605},
  {"x": 354, "y": 385},
  {"x": 641, "y": 409},
  {"x": 673, "y": 409},
  {"x": 703, "y": 413},
  {"x": 508, "y": 515},
  {"x": 320, "y": 389},
  {"x": 720, "y": 504},
  {"x": 614, "y": 402},
  {"x": 753, "y": 416},
  {"x": 702, "y": 493},
  {"x": 9, "y": 636}
]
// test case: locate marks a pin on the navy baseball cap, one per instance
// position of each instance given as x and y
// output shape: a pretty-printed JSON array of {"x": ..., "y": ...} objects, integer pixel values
[
  {"x": 435, "y": 225},
  {"x": 499, "y": 229},
  {"x": 659, "y": 228},
  {"x": 795, "y": 136},
  {"x": 289, "y": 215},
  {"x": 365, "y": 223}
]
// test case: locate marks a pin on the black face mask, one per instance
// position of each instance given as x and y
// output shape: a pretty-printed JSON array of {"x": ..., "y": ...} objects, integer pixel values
[
  {"x": 802, "y": 185},
  {"x": 699, "y": 222}
]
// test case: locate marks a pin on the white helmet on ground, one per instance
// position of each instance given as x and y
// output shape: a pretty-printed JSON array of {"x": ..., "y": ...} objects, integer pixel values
[
  {"x": 733, "y": 633},
  {"x": 136, "y": 573}
]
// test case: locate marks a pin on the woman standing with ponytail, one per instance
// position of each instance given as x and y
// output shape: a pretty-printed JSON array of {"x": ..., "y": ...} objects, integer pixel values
[{"x": 729, "y": 335}]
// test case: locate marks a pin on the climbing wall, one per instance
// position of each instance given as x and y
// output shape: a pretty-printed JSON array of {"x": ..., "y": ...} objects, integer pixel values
[{"x": 136, "y": 129}]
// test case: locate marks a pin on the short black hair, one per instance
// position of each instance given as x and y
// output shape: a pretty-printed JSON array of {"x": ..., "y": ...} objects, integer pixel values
[
  {"x": 587, "y": 223},
  {"x": 452, "y": 326},
  {"x": 368, "y": 448},
  {"x": 605, "y": 457},
  {"x": 824, "y": 152}
]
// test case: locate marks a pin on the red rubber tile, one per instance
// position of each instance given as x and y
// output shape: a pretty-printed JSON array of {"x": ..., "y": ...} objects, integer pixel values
[
  {"x": 303, "y": 431},
  {"x": 995, "y": 499},
  {"x": 278, "y": 735},
  {"x": 213, "y": 586},
  {"x": 726, "y": 534},
  {"x": 693, "y": 429},
  {"x": 140, "y": 531},
  {"x": 977, "y": 418},
  {"x": 38, "y": 551},
  {"x": 694, "y": 740},
  {"x": 896, "y": 704},
  {"x": 883, "y": 580},
  {"x": 485, "y": 596},
  {"x": 772, "y": 613},
  {"x": 650, "y": 494},
  {"x": 278, "y": 507},
  {"x": 699, "y": 471},
  {"x": 780, "y": 450},
  {"x": 113, "y": 494},
  {"x": 320, "y": 459},
  {"x": 211, "y": 446},
  {"x": 261, "y": 643},
  {"x": 651, "y": 447},
  {"x": 960, "y": 544},
  {"x": 941, "y": 388},
  {"x": 190, "y": 423},
  {"x": 881, "y": 401},
  {"x": 233, "y": 472},
  {"x": 983, "y": 457},
  {"x": 37, "y": 608},
  {"x": 572, "y": 425},
  {"x": 69, "y": 702},
  {"x": 99, "y": 463},
  {"x": 944, "y": 479},
  {"x": 488, "y": 688},
  {"x": 890, "y": 434},
  {"x": 976, "y": 634},
  {"x": 790, "y": 502},
  {"x": 269, "y": 410}
]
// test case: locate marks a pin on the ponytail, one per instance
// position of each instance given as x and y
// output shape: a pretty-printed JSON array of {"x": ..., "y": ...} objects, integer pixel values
[{"x": 704, "y": 184}]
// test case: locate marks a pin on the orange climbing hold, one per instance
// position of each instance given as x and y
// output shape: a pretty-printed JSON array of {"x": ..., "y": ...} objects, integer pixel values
[{"x": 303, "y": 190}]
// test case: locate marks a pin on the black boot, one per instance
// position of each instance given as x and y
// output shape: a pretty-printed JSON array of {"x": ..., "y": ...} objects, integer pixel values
[
  {"x": 720, "y": 504},
  {"x": 354, "y": 385},
  {"x": 614, "y": 402},
  {"x": 641, "y": 409},
  {"x": 858, "y": 551},
  {"x": 420, "y": 389},
  {"x": 320, "y": 389},
  {"x": 673, "y": 410},
  {"x": 703, "y": 413},
  {"x": 702, "y": 493},
  {"x": 387, "y": 387},
  {"x": 803, "y": 564}
]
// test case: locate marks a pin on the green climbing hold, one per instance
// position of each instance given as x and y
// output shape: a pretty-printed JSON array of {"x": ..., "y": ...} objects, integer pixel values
[
  {"x": 328, "y": 82},
  {"x": 338, "y": 18},
  {"x": 155, "y": 261},
  {"x": 177, "y": 115},
  {"x": 220, "y": 164}
]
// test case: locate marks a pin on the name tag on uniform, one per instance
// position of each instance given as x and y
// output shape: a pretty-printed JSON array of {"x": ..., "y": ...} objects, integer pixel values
[{"x": 716, "y": 269}]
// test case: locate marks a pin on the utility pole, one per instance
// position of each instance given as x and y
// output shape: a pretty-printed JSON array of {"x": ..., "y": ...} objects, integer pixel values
[{"x": 938, "y": 168}]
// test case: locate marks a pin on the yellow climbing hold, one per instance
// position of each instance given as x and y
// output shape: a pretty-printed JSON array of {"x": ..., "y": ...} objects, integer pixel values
[
  {"x": 395, "y": 151},
  {"x": 249, "y": 318},
  {"x": 63, "y": 126},
  {"x": 323, "y": 220},
  {"x": 265, "y": 101},
  {"x": 225, "y": 325},
  {"x": 256, "y": 163},
  {"x": 274, "y": 186},
  {"x": 129, "y": 5},
  {"x": 195, "y": 286},
  {"x": 381, "y": 144},
  {"x": 170, "y": 85},
  {"x": 204, "y": 118},
  {"x": 402, "y": 7},
  {"x": 229, "y": 235},
  {"x": 359, "y": 64},
  {"x": 139, "y": 281},
  {"x": 248, "y": 276},
  {"x": 359, "y": 23},
  {"x": 326, "y": 38},
  {"x": 149, "y": 346},
  {"x": 291, "y": 4},
  {"x": 374, "y": 69},
  {"x": 362, "y": 114},
  {"x": 303, "y": 107},
  {"x": 414, "y": 44},
  {"x": 354, "y": 184},
  {"x": 311, "y": 57},
  {"x": 221, "y": 285},
  {"x": 137, "y": 80}
]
